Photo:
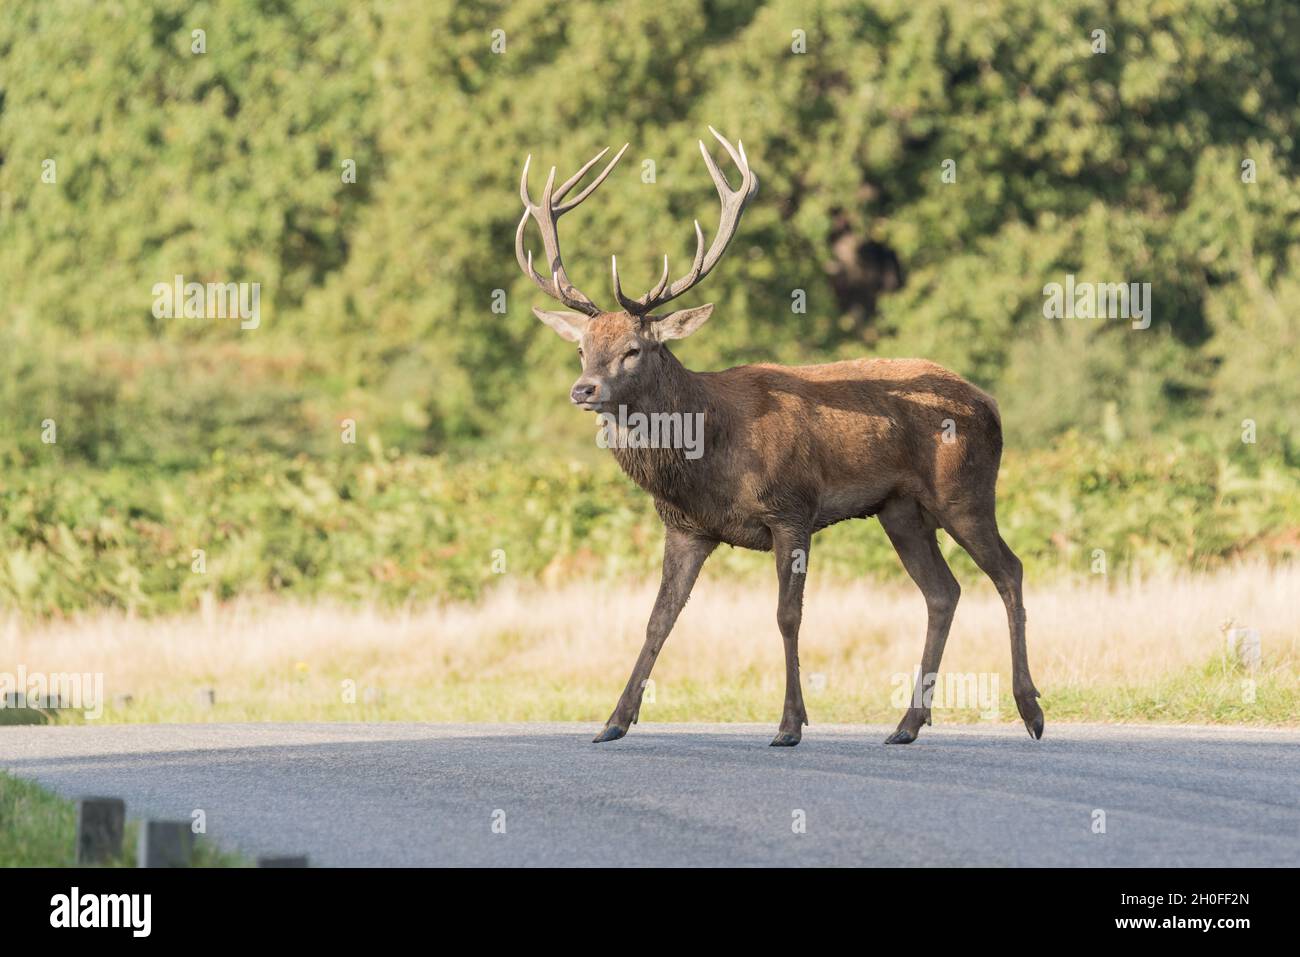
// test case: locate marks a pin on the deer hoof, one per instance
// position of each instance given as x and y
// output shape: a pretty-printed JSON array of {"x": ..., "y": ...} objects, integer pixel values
[
  {"x": 1034, "y": 725},
  {"x": 901, "y": 736},
  {"x": 612, "y": 732},
  {"x": 1032, "y": 715},
  {"x": 786, "y": 739}
]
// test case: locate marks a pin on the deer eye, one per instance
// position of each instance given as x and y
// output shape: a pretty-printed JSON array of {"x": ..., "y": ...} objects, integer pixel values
[{"x": 632, "y": 354}]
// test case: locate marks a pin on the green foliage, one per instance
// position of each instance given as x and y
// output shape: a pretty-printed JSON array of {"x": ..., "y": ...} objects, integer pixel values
[
  {"x": 37, "y": 829},
  {"x": 227, "y": 165},
  {"x": 379, "y": 527}
]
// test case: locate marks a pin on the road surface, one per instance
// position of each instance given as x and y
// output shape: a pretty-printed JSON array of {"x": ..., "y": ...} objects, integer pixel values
[{"x": 515, "y": 795}]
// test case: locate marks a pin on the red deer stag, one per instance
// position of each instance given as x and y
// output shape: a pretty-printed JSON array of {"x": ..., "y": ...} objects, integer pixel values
[{"x": 786, "y": 452}]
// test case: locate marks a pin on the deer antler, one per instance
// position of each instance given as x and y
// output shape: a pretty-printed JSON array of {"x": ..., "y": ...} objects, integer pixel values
[
  {"x": 546, "y": 214},
  {"x": 733, "y": 204}
]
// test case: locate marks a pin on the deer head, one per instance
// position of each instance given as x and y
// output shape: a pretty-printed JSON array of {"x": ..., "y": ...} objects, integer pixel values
[{"x": 622, "y": 352}]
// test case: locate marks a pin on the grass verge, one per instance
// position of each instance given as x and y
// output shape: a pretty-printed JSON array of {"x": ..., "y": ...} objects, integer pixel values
[{"x": 39, "y": 829}]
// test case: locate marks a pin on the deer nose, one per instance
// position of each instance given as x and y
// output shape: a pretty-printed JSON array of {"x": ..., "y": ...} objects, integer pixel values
[{"x": 583, "y": 392}]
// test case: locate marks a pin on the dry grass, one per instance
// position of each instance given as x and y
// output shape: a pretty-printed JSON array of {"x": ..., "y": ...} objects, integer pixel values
[{"x": 1150, "y": 650}]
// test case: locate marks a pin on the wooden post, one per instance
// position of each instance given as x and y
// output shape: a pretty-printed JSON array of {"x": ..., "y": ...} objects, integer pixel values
[
  {"x": 165, "y": 844},
  {"x": 100, "y": 822}
]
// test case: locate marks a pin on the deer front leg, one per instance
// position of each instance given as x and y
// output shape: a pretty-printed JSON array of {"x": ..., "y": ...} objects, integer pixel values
[
  {"x": 684, "y": 556},
  {"x": 791, "y": 547}
]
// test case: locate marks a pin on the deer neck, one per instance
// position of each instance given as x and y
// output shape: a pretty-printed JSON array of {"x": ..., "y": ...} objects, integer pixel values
[{"x": 660, "y": 438}]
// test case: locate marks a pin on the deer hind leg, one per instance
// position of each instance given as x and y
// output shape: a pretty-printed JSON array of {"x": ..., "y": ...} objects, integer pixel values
[
  {"x": 684, "y": 556},
  {"x": 977, "y": 532},
  {"x": 791, "y": 546},
  {"x": 912, "y": 533}
]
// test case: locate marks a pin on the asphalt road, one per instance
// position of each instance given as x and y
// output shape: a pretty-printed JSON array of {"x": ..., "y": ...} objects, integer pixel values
[{"x": 413, "y": 795}]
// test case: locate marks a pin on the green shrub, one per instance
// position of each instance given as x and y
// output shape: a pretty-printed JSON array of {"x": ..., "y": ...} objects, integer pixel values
[{"x": 373, "y": 526}]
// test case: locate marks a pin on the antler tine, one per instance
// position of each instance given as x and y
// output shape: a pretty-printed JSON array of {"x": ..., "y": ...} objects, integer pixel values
[
  {"x": 631, "y": 305},
  {"x": 659, "y": 286},
  {"x": 523, "y": 185},
  {"x": 637, "y": 306},
  {"x": 733, "y": 204},
  {"x": 526, "y": 259},
  {"x": 576, "y": 178},
  {"x": 748, "y": 182},
  {"x": 719, "y": 178},
  {"x": 573, "y": 180},
  {"x": 736, "y": 157},
  {"x": 698, "y": 263}
]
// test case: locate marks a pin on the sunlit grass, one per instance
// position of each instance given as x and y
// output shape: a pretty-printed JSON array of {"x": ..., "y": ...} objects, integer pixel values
[{"x": 1152, "y": 650}]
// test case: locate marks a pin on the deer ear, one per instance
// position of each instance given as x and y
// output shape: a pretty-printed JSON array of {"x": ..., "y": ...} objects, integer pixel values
[
  {"x": 570, "y": 325},
  {"x": 680, "y": 324}
]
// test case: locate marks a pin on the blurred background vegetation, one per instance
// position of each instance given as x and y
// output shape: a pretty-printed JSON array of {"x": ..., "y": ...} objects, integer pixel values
[{"x": 183, "y": 434}]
